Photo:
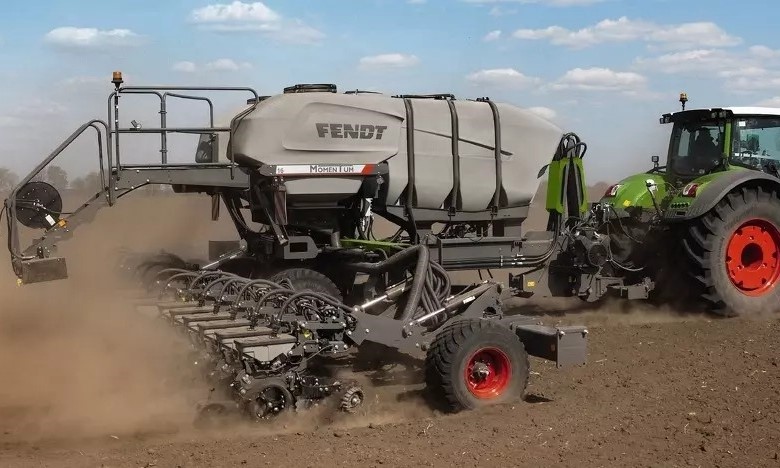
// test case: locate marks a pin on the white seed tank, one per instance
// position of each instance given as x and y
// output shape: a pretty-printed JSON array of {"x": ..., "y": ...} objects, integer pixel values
[{"x": 449, "y": 143}]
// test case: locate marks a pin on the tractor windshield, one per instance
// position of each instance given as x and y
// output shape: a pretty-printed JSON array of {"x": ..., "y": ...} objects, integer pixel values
[
  {"x": 756, "y": 143},
  {"x": 696, "y": 147}
]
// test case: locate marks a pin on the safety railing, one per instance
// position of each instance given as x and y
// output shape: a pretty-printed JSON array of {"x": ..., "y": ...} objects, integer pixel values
[
  {"x": 109, "y": 152},
  {"x": 99, "y": 126},
  {"x": 163, "y": 93}
]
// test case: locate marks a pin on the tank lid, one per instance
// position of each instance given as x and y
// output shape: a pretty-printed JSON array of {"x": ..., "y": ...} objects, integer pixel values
[
  {"x": 426, "y": 96},
  {"x": 311, "y": 88},
  {"x": 360, "y": 91},
  {"x": 260, "y": 99}
]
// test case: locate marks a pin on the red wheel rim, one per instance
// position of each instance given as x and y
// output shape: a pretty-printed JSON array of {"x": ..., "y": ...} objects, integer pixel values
[
  {"x": 752, "y": 257},
  {"x": 487, "y": 373}
]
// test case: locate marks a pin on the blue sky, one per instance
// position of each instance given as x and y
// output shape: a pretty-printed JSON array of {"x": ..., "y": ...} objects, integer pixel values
[{"x": 603, "y": 68}]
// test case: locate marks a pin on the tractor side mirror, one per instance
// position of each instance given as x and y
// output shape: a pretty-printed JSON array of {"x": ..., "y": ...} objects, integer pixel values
[{"x": 655, "y": 159}]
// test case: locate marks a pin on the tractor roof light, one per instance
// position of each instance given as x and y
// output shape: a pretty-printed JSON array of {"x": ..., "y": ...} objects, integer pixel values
[{"x": 690, "y": 190}]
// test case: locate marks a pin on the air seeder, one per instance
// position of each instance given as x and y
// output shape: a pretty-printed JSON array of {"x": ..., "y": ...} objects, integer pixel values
[{"x": 308, "y": 277}]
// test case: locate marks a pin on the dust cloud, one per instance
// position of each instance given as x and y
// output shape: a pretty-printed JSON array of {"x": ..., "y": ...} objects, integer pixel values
[{"x": 75, "y": 359}]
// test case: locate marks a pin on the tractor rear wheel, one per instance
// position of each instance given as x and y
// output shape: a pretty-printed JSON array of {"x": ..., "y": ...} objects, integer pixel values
[
  {"x": 474, "y": 363},
  {"x": 736, "y": 251}
]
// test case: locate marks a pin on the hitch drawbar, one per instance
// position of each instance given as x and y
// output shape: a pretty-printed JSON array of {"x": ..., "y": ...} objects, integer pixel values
[{"x": 566, "y": 346}]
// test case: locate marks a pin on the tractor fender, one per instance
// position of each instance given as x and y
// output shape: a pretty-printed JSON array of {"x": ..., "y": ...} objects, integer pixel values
[{"x": 717, "y": 189}]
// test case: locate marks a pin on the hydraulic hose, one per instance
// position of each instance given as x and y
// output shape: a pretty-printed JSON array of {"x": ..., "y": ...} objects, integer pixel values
[
  {"x": 322, "y": 297},
  {"x": 157, "y": 276},
  {"x": 420, "y": 273},
  {"x": 230, "y": 282},
  {"x": 272, "y": 293},
  {"x": 386, "y": 265},
  {"x": 257, "y": 282},
  {"x": 221, "y": 276},
  {"x": 516, "y": 262},
  {"x": 179, "y": 276}
]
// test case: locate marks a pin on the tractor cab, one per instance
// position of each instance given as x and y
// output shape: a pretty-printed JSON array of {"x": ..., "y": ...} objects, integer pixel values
[
  {"x": 707, "y": 147},
  {"x": 704, "y": 141}
]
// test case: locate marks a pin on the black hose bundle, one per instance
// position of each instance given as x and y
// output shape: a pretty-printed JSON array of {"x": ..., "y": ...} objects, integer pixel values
[
  {"x": 430, "y": 286},
  {"x": 428, "y": 293},
  {"x": 258, "y": 286}
]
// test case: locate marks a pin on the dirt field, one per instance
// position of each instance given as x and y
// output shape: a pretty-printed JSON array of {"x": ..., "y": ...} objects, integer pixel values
[{"x": 86, "y": 382}]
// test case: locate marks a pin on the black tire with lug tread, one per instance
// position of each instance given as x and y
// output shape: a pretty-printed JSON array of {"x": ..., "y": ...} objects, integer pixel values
[
  {"x": 735, "y": 253},
  {"x": 474, "y": 363},
  {"x": 304, "y": 279},
  {"x": 273, "y": 398}
]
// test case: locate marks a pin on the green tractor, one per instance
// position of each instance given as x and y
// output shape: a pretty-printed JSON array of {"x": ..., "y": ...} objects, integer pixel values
[{"x": 705, "y": 226}]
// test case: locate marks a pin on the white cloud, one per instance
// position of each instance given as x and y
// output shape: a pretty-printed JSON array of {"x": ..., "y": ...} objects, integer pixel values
[
  {"x": 696, "y": 61},
  {"x": 620, "y": 30},
  {"x": 492, "y": 36},
  {"x": 297, "y": 32},
  {"x": 254, "y": 17},
  {"x": 184, "y": 67},
  {"x": 754, "y": 79},
  {"x": 623, "y": 29},
  {"x": 544, "y": 112},
  {"x": 747, "y": 72},
  {"x": 758, "y": 68},
  {"x": 394, "y": 60},
  {"x": 698, "y": 34},
  {"x": 502, "y": 77},
  {"x": 225, "y": 64},
  {"x": 416, "y": 2},
  {"x": 91, "y": 38},
  {"x": 497, "y": 11},
  {"x": 236, "y": 12},
  {"x": 600, "y": 79},
  {"x": 771, "y": 102},
  {"x": 222, "y": 64},
  {"x": 764, "y": 52}
]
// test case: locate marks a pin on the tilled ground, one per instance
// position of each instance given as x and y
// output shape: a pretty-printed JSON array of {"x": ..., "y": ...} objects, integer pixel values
[{"x": 659, "y": 390}]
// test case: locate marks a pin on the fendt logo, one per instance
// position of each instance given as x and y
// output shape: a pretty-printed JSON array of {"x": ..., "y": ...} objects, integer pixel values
[{"x": 356, "y": 131}]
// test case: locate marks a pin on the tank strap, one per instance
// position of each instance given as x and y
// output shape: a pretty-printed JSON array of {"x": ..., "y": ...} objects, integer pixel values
[
  {"x": 497, "y": 151},
  {"x": 411, "y": 193},
  {"x": 454, "y": 201}
]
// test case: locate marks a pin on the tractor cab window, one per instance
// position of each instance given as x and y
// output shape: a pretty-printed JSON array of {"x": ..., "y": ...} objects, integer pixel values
[
  {"x": 697, "y": 148},
  {"x": 756, "y": 143}
]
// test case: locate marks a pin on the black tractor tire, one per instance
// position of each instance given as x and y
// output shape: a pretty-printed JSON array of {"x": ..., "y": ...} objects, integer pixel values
[
  {"x": 304, "y": 279},
  {"x": 735, "y": 253},
  {"x": 467, "y": 346}
]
